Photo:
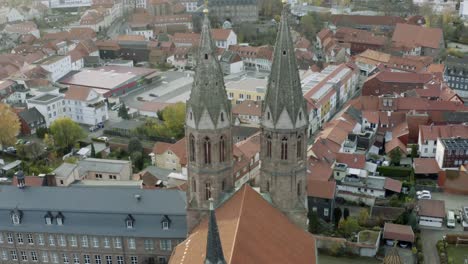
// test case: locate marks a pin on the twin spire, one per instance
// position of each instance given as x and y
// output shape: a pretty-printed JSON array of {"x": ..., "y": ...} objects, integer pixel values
[{"x": 214, "y": 249}]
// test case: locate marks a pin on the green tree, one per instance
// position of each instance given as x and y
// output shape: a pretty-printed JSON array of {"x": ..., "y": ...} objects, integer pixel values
[
  {"x": 309, "y": 26},
  {"x": 395, "y": 156},
  {"x": 314, "y": 223},
  {"x": 66, "y": 132},
  {"x": 134, "y": 145},
  {"x": 9, "y": 126},
  {"x": 414, "y": 151},
  {"x": 174, "y": 122},
  {"x": 363, "y": 216},
  {"x": 337, "y": 216},
  {"x": 49, "y": 141},
  {"x": 123, "y": 112},
  {"x": 93, "y": 151},
  {"x": 346, "y": 213},
  {"x": 412, "y": 220},
  {"x": 412, "y": 192},
  {"x": 137, "y": 160},
  {"x": 348, "y": 227}
]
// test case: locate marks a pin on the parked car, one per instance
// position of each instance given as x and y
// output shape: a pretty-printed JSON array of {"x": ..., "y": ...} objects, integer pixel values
[
  {"x": 116, "y": 107},
  {"x": 451, "y": 219},
  {"x": 93, "y": 128},
  {"x": 105, "y": 139},
  {"x": 153, "y": 95},
  {"x": 418, "y": 193},
  {"x": 11, "y": 150},
  {"x": 424, "y": 196}
]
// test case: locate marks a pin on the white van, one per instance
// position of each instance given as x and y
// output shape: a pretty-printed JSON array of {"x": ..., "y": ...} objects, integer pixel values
[{"x": 451, "y": 219}]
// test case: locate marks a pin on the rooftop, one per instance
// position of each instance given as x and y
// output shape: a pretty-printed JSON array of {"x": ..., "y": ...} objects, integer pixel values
[
  {"x": 45, "y": 98},
  {"x": 398, "y": 232},
  {"x": 425, "y": 166},
  {"x": 455, "y": 143},
  {"x": 321, "y": 189},
  {"x": 51, "y": 59},
  {"x": 431, "y": 208}
]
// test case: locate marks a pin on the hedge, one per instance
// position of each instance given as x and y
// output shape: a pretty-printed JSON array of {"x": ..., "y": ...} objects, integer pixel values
[{"x": 392, "y": 171}]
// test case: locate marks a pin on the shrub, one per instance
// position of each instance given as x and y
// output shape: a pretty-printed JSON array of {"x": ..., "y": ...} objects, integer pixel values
[{"x": 394, "y": 172}]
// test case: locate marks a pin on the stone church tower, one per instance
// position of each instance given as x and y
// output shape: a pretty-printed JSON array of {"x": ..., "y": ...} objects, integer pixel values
[
  {"x": 284, "y": 131},
  {"x": 208, "y": 133}
]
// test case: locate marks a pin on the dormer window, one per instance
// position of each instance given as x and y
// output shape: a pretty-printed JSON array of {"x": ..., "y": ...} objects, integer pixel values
[
  {"x": 48, "y": 218},
  {"x": 165, "y": 223},
  {"x": 60, "y": 219},
  {"x": 16, "y": 216},
  {"x": 129, "y": 221}
]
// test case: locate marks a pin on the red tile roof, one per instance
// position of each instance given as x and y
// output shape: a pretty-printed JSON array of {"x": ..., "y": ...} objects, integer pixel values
[
  {"x": 425, "y": 166},
  {"x": 319, "y": 170},
  {"x": 247, "y": 107},
  {"x": 251, "y": 230},
  {"x": 220, "y": 34},
  {"x": 346, "y": 20},
  {"x": 393, "y": 185},
  {"x": 32, "y": 181},
  {"x": 431, "y": 208},
  {"x": 411, "y": 36},
  {"x": 77, "y": 93},
  {"x": 356, "y": 161},
  {"x": 398, "y": 232},
  {"x": 395, "y": 143},
  {"x": 321, "y": 189},
  {"x": 161, "y": 147},
  {"x": 431, "y": 132}
]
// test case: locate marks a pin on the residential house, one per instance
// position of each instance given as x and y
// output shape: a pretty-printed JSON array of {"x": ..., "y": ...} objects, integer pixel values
[
  {"x": 93, "y": 19},
  {"x": 170, "y": 156},
  {"x": 246, "y": 155},
  {"x": 145, "y": 223},
  {"x": 417, "y": 40},
  {"x": 426, "y": 167},
  {"x": 321, "y": 198},
  {"x": 105, "y": 169},
  {"x": 452, "y": 152},
  {"x": 359, "y": 40},
  {"x": 429, "y": 134},
  {"x": 366, "y": 189},
  {"x": 51, "y": 106},
  {"x": 463, "y": 10},
  {"x": 69, "y": 3},
  {"x": 456, "y": 74},
  {"x": 231, "y": 62},
  {"x": 254, "y": 58},
  {"x": 237, "y": 11},
  {"x": 329, "y": 49},
  {"x": 388, "y": 82},
  {"x": 234, "y": 223},
  {"x": 398, "y": 233},
  {"x": 31, "y": 120},
  {"x": 377, "y": 24},
  {"x": 247, "y": 111},
  {"x": 224, "y": 38},
  {"x": 19, "y": 29},
  {"x": 431, "y": 213},
  {"x": 85, "y": 106},
  {"x": 246, "y": 89},
  {"x": 57, "y": 65},
  {"x": 14, "y": 15}
]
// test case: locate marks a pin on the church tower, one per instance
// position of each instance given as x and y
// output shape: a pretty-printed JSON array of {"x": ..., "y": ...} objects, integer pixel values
[
  {"x": 208, "y": 133},
  {"x": 284, "y": 131}
]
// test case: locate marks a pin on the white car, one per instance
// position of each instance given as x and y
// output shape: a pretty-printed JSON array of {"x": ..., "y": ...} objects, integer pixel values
[
  {"x": 418, "y": 193},
  {"x": 105, "y": 139},
  {"x": 424, "y": 196}
]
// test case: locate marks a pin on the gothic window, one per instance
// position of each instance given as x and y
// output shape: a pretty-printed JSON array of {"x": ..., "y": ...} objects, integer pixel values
[
  {"x": 207, "y": 150},
  {"x": 268, "y": 186},
  {"x": 299, "y": 147},
  {"x": 221, "y": 149},
  {"x": 268, "y": 115},
  {"x": 191, "y": 115},
  {"x": 194, "y": 185},
  {"x": 206, "y": 56},
  {"x": 223, "y": 185},
  {"x": 269, "y": 146},
  {"x": 222, "y": 117},
  {"x": 299, "y": 191},
  {"x": 284, "y": 148},
  {"x": 192, "y": 148},
  {"x": 284, "y": 52},
  {"x": 300, "y": 115},
  {"x": 207, "y": 191}
]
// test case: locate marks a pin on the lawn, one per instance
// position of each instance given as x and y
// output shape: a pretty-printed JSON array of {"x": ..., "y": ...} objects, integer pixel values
[
  {"x": 368, "y": 237},
  {"x": 325, "y": 259},
  {"x": 458, "y": 253}
]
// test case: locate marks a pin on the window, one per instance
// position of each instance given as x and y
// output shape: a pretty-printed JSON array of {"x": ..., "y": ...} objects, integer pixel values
[
  {"x": 1, "y": 238},
  {"x": 108, "y": 259},
  {"x": 165, "y": 225},
  {"x": 10, "y": 238},
  {"x": 33, "y": 256},
  {"x": 299, "y": 188},
  {"x": 222, "y": 117},
  {"x": 222, "y": 151},
  {"x": 117, "y": 242},
  {"x": 299, "y": 147},
  {"x": 24, "y": 256},
  {"x": 20, "y": 238},
  {"x": 192, "y": 148},
  {"x": 325, "y": 212},
  {"x": 95, "y": 242},
  {"x": 165, "y": 244},
  {"x": 40, "y": 239},
  {"x": 207, "y": 150},
  {"x": 59, "y": 219},
  {"x": 13, "y": 255},
  {"x": 15, "y": 218},
  {"x": 4, "y": 255},
  {"x": 129, "y": 221},
  {"x": 30, "y": 239},
  {"x": 148, "y": 244},
  {"x": 76, "y": 258},
  {"x": 131, "y": 243},
  {"x": 84, "y": 241},
  {"x": 194, "y": 185},
  {"x": 120, "y": 260},
  {"x": 268, "y": 146},
  {"x": 134, "y": 260},
  {"x": 207, "y": 191},
  {"x": 51, "y": 240},
  {"x": 284, "y": 148},
  {"x": 61, "y": 241},
  {"x": 48, "y": 218},
  {"x": 45, "y": 257},
  {"x": 106, "y": 242},
  {"x": 73, "y": 241},
  {"x": 97, "y": 259},
  {"x": 65, "y": 258},
  {"x": 162, "y": 260},
  {"x": 87, "y": 259},
  {"x": 54, "y": 257}
]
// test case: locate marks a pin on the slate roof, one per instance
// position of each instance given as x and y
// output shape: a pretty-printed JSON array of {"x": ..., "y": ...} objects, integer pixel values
[
  {"x": 31, "y": 115},
  {"x": 64, "y": 170},
  {"x": 284, "y": 84},
  {"x": 104, "y": 165}
]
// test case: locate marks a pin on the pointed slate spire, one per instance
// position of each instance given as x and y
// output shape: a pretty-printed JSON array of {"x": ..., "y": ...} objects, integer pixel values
[
  {"x": 284, "y": 85},
  {"x": 208, "y": 91},
  {"x": 214, "y": 250}
]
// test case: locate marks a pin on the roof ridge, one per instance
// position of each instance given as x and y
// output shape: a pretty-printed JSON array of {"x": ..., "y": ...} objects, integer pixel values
[{"x": 244, "y": 190}]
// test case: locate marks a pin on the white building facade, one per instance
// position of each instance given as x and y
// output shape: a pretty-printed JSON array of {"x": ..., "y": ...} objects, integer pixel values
[
  {"x": 51, "y": 106},
  {"x": 58, "y": 66}
]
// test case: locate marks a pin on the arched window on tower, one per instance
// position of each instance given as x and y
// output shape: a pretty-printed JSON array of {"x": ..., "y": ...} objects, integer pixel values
[
  {"x": 268, "y": 186},
  {"x": 194, "y": 185},
  {"x": 192, "y": 147},
  {"x": 284, "y": 148},
  {"x": 222, "y": 151},
  {"x": 268, "y": 146},
  {"x": 299, "y": 147},
  {"x": 299, "y": 188},
  {"x": 206, "y": 56},
  {"x": 222, "y": 117},
  {"x": 207, "y": 150},
  {"x": 207, "y": 191}
]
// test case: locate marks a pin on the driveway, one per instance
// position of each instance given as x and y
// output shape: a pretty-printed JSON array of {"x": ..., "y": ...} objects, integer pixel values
[
  {"x": 429, "y": 238},
  {"x": 452, "y": 201}
]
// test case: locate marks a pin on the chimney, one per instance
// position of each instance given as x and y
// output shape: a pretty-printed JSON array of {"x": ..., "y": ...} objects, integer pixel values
[{"x": 20, "y": 179}]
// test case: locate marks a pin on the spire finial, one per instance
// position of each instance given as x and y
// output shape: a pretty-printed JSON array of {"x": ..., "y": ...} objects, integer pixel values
[
  {"x": 211, "y": 200},
  {"x": 206, "y": 11}
]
